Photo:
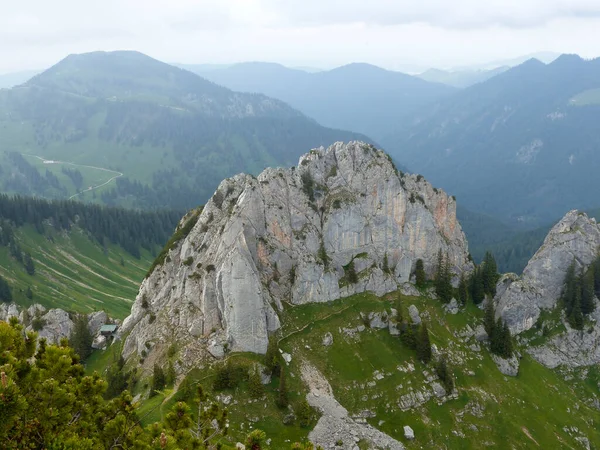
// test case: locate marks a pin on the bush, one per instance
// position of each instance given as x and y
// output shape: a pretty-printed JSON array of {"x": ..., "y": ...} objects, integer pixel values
[{"x": 188, "y": 261}]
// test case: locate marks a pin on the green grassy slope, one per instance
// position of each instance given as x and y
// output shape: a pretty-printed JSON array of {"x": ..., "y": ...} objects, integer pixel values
[
  {"x": 539, "y": 408},
  {"x": 74, "y": 273}
]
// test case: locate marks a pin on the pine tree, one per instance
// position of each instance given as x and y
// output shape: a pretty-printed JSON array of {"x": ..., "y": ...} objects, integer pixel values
[
  {"x": 5, "y": 292},
  {"x": 272, "y": 360},
  {"x": 282, "y": 396},
  {"x": 463, "y": 290},
  {"x": 158, "y": 380},
  {"x": 255, "y": 386},
  {"x": 596, "y": 270},
  {"x": 489, "y": 321},
  {"x": 407, "y": 335},
  {"x": 489, "y": 274},
  {"x": 386, "y": 264},
  {"x": 507, "y": 346},
  {"x": 29, "y": 293},
  {"x": 477, "y": 290},
  {"x": 304, "y": 413},
  {"x": 576, "y": 316},
  {"x": 420, "y": 277},
  {"x": 29, "y": 266},
  {"x": 444, "y": 374},
  {"x": 587, "y": 292},
  {"x": 497, "y": 337},
  {"x": 81, "y": 338},
  {"x": 443, "y": 279},
  {"x": 423, "y": 344}
]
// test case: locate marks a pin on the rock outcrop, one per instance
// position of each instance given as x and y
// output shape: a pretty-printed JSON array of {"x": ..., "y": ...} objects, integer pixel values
[
  {"x": 52, "y": 325},
  {"x": 519, "y": 301},
  {"x": 344, "y": 221}
]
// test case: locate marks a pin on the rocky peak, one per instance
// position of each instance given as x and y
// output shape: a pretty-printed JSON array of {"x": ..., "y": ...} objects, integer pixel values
[
  {"x": 344, "y": 221},
  {"x": 576, "y": 237}
]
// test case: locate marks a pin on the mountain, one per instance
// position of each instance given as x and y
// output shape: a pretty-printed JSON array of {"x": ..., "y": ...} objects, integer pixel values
[
  {"x": 359, "y": 97},
  {"x": 8, "y": 80},
  {"x": 461, "y": 78},
  {"x": 343, "y": 222},
  {"x": 122, "y": 128},
  {"x": 293, "y": 289},
  {"x": 520, "y": 147}
]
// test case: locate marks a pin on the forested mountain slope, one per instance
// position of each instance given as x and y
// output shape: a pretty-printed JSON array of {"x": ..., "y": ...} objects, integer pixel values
[
  {"x": 141, "y": 133},
  {"x": 75, "y": 256},
  {"x": 521, "y": 146},
  {"x": 358, "y": 97}
]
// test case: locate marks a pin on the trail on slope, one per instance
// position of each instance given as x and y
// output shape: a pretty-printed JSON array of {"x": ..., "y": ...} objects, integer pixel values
[{"x": 91, "y": 188}]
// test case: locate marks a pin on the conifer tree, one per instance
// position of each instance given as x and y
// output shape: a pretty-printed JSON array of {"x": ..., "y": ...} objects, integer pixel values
[
  {"x": 570, "y": 289},
  {"x": 587, "y": 292},
  {"x": 477, "y": 290},
  {"x": 282, "y": 396},
  {"x": 596, "y": 270},
  {"x": 420, "y": 277},
  {"x": 423, "y": 344},
  {"x": 255, "y": 386},
  {"x": 489, "y": 274},
  {"x": 29, "y": 266},
  {"x": 158, "y": 380},
  {"x": 489, "y": 321},
  {"x": 386, "y": 264},
  {"x": 576, "y": 316},
  {"x": 463, "y": 290},
  {"x": 272, "y": 360},
  {"x": 444, "y": 374},
  {"x": 408, "y": 336},
  {"x": 507, "y": 346},
  {"x": 81, "y": 338}
]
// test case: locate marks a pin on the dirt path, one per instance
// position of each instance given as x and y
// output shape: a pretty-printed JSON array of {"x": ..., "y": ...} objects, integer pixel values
[
  {"x": 91, "y": 188},
  {"x": 335, "y": 424}
]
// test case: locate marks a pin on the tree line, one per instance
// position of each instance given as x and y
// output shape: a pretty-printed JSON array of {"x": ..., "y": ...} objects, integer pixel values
[
  {"x": 579, "y": 292},
  {"x": 130, "y": 229}
]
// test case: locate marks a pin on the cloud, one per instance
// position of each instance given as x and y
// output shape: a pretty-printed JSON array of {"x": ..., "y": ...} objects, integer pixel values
[{"x": 438, "y": 13}]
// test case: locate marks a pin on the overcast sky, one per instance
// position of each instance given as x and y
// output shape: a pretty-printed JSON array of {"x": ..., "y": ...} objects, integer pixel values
[{"x": 318, "y": 33}]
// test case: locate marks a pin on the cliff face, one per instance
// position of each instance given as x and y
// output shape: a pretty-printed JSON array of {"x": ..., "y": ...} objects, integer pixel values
[
  {"x": 575, "y": 238},
  {"x": 344, "y": 221}
]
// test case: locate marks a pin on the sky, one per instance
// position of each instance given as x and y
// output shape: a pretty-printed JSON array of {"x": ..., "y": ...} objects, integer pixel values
[{"x": 395, "y": 34}]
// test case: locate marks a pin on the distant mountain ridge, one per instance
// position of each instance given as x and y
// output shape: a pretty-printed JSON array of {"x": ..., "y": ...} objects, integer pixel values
[
  {"x": 358, "y": 96},
  {"x": 171, "y": 134},
  {"x": 521, "y": 146}
]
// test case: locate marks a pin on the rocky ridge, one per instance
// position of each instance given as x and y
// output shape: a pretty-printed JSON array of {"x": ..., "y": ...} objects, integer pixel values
[
  {"x": 53, "y": 324},
  {"x": 520, "y": 300},
  {"x": 344, "y": 221}
]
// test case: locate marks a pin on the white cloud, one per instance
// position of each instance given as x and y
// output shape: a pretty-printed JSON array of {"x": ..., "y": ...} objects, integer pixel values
[{"x": 322, "y": 33}]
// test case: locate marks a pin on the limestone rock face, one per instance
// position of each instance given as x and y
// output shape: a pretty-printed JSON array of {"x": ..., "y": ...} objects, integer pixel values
[
  {"x": 293, "y": 235},
  {"x": 575, "y": 238}
]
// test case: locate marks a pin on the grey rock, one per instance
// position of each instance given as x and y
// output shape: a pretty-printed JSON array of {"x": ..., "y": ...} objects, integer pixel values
[
  {"x": 438, "y": 389},
  {"x": 99, "y": 342},
  {"x": 327, "y": 339},
  {"x": 96, "y": 320},
  {"x": 413, "y": 312},
  {"x": 452, "y": 307},
  {"x": 480, "y": 333},
  {"x": 409, "y": 433},
  {"x": 575, "y": 238},
  {"x": 508, "y": 366},
  {"x": 378, "y": 320},
  {"x": 409, "y": 290},
  {"x": 258, "y": 241},
  {"x": 572, "y": 348}
]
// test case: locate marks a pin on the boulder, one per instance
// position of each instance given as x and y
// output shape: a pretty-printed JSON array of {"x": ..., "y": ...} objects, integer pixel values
[
  {"x": 452, "y": 307},
  {"x": 96, "y": 320},
  {"x": 409, "y": 433},
  {"x": 508, "y": 366},
  {"x": 413, "y": 312},
  {"x": 327, "y": 339}
]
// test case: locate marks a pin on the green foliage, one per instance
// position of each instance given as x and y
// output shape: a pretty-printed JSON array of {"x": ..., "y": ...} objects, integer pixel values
[
  {"x": 578, "y": 294},
  {"x": 498, "y": 332},
  {"x": 272, "y": 357},
  {"x": 308, "y": 185},
  {"x": 5, "y": 291},
  {"x": 229, "y": 376},
  {"x": 188, "y": 261},
  {"x": 159, "y": 380},
  {"x": 350, "y": 272},
  {"x": 81, "y": 338},
  {"x": 305, "y": 413},
  {"x": 386, "y": 264},
  {"x": 322, "y": 255},
  {"x": 444, "y": 374},
  {"x": 489, "y": 274},
  {"x": 420, "y": 277},
  {"x": 255, "y": 386},
  {"x": 443, "y": 279},
  {"x": 463, "y": 290},
  {"x": 256, "y": 440},
  {"x": 29, "y": 265},
  {"x": 477, "y": 289},
  {"x": 282, "y": 396},
  {"x": 179, "y": 235},
  {"x": 423, "y": 344}
]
